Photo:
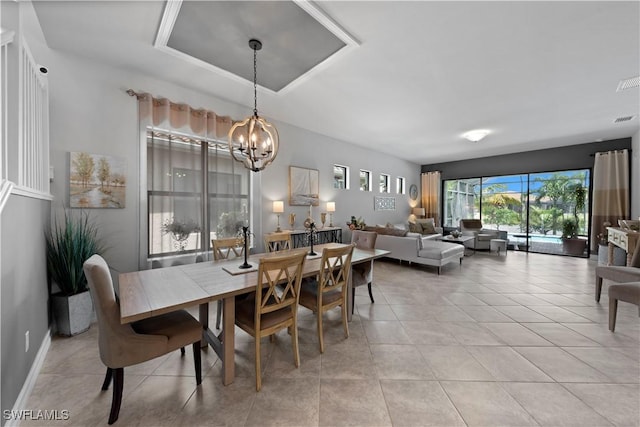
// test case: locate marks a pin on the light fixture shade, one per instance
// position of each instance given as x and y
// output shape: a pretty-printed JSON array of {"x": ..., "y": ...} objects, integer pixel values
[
  {"x": 418, "y": 211},
  {"x": 278, "y": 206},
  {"x": 476, "y": 135},
  {"x": 331, "y": 206},
  {"x": 254, "y": 142}
]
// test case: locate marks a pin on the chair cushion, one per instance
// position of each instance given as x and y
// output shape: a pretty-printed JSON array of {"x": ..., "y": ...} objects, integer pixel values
[
  {"x": 618, "y": 273},
  {"x": 246, "y": 310},
  {"x": 628, "y": 292},
  {"x": 179, "y": 327},
  {"x": 309, "y": 294}
]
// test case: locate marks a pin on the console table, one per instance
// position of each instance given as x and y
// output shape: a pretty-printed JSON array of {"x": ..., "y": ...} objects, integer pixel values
[
  {"x": 625, "y": 239},
  {"x": 323, "y": 235}
]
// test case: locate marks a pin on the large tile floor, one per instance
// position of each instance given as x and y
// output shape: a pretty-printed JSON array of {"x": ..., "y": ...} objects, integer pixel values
[{"x": 500, "y": 341}]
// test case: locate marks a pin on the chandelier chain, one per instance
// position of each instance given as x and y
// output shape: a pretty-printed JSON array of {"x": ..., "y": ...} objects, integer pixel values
[{"x": 255, "y": 80}]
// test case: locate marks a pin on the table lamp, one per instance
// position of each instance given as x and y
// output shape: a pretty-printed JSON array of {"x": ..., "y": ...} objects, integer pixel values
[
  {"x": 278, "y": 208},
  {"x": 331, "y": 208},
  {"x": 419, "y": 212}
]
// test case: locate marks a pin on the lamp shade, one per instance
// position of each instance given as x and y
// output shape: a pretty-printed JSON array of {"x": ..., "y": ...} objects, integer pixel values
[
  {"x": 331, "y": 206},
  {"x": 418, "y": 211},
  {"x": 278, "y": 206}
]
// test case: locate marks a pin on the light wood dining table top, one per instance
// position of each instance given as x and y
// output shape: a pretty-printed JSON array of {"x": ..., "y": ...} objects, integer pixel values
[{"x": 148, "y": 293}]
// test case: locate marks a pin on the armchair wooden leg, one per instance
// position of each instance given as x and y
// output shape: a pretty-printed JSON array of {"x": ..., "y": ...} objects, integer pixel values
[
  {"x": 118, "y": 383},
  {"x": 182, "y": 351},
  {"x": 197, "y": 361},
  {"x": 598, "y": 288},
  {"x": 353, "y": 299},
  {"x": 370, "y": 294},
  {"x": 613, "y": 311},
  {"x": 107, "y": 379}
]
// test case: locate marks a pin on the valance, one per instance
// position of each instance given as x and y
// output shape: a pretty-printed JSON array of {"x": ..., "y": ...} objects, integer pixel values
[{"x": 163, "y": 113}]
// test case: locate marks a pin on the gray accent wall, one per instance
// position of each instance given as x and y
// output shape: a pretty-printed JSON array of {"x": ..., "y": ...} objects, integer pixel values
[
  {"x": 24, "y": 289},
  {"x": 579, "y": 156}
]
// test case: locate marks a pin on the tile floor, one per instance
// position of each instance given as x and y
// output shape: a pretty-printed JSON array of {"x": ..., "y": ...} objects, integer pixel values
[{"x": 500, "y": 341}]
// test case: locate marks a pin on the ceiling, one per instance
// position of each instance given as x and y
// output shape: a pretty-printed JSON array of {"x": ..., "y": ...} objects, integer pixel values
[{"x": 404, "y": 78}]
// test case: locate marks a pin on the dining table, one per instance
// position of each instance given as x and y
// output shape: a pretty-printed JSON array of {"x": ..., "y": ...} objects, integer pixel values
[{"x": 148, "y": 293}]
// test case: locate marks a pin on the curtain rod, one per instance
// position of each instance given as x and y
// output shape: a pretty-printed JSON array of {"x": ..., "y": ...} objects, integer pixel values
[{"x": 615, "y": 151}]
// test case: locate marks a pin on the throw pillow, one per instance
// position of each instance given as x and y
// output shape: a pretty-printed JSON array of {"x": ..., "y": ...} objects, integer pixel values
[
  {"x": 428, "y": 228},
  {"x": 391, "y": 231},
  {"x": 415, "y": 228}
]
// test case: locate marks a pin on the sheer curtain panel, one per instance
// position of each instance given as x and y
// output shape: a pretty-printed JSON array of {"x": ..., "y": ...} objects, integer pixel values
[
  {"x": 610, "y": 191},
  {"x": 431, "y": 195}
]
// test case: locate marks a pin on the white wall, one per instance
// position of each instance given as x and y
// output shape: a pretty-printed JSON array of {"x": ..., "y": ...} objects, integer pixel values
[
  {"x": 635, "y": 175},
  {"x": 90, "y": 111}
]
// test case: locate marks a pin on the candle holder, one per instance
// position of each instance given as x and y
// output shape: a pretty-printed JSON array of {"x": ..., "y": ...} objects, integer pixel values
[
  {"x": 245, "y": 235},
  {"x": 311, "y": 234}
]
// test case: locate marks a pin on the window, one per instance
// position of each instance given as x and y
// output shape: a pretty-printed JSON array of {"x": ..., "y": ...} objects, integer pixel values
[
  {"x": 188, "y": 180},
  {"x": 340, "y": 177},
  {"x": 400, "y": 186},
  {"x": 384, "y": 183},
  {"x": 365, "y": 180},
  {"x": 531, "y": 209}
]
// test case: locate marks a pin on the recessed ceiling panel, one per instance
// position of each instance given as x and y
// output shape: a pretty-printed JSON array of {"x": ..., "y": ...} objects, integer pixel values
[{"x": 218, "y": 33}]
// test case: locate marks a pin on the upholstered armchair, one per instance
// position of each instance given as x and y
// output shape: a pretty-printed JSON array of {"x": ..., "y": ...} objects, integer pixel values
[
  {"x": 619, "y": 274},
  {"x": 362, "y": 274},
  {"x": 482, "y": 236},
  {"x": 126, "y": 345}
]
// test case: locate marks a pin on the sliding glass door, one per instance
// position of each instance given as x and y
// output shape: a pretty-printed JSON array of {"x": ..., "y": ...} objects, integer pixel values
[{"x": 542, "y": 212}]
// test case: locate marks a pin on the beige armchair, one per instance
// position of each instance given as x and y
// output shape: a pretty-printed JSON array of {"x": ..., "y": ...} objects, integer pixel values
[
  {"x": 619, "y": 274},
  {"x": 362, "y": 274},
  {"x": 482, "y": 236},
  {"x": 126, "y": 345}
]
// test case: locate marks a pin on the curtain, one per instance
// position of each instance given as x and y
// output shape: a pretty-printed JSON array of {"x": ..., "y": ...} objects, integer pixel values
[
  {"x": 188, "y": 181},
  {"x": 610, "y": 191},
  {"x": 431, "y": 195}
]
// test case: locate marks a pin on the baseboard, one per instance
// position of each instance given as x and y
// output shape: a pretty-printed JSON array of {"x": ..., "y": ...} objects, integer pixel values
[{"x": 30, "y": 382}]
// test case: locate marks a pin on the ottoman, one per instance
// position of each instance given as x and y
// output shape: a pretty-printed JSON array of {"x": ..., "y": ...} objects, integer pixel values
[
  {"x": 438, "y": 253},
  {"x": 498, "y": 245}
]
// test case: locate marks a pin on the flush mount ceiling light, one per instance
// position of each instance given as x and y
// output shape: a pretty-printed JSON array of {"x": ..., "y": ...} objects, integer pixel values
[
  {"x": 254, "y": 141},
  {"x": 476, "y": 135}
]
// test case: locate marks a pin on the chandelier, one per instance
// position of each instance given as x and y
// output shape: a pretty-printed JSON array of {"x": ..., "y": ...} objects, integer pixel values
[{"x": 254, "y": 141}]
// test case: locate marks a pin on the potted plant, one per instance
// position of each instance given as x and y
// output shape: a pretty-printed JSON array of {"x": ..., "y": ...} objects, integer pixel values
[
  {"x": 69, "y": 244},
  {"x": 180, "y": 231},
  {"x": 571, "y": 243}
]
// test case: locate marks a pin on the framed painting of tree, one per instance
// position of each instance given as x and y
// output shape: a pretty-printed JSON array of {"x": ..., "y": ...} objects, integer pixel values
[{"x": 97, "y": 181}]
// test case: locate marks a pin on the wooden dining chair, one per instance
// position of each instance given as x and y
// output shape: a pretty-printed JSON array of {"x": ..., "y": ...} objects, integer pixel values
[
  {"x": 129, "y": 344},
  {"x": 274, "y": 304},
  {"x": 362, "y": 273},
  {"x": 330, "y": 288},
  {"x": 277, "y": 242},
  {"x": 225, "y": 248}
]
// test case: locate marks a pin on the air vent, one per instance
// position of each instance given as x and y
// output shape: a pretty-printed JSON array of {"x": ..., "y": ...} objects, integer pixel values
[
  {"x": 628, "y": 83},
  {"x": 623, "y": 119}
]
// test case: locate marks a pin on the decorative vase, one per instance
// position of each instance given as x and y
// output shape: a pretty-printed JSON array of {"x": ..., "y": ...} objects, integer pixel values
[
  {"x": 323, "y": 218},
  {"x": 292, "y": 219}
]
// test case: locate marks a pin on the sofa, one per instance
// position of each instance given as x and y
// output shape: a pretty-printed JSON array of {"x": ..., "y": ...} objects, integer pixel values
[{"x": 413, "y": 247}]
